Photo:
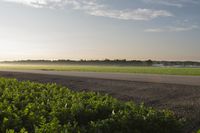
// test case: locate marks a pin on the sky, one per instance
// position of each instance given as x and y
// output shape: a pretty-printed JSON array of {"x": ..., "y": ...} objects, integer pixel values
[{"x": 99, "y": 29}]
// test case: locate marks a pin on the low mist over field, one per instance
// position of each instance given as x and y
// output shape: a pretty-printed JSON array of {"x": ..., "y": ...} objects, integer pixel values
[
  {"x": 110, "y": 66},
  {"x": 106, "y": 62}
]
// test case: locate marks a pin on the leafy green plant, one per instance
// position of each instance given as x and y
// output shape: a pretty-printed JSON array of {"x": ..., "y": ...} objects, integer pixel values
[{"x": 34, "y": 107}]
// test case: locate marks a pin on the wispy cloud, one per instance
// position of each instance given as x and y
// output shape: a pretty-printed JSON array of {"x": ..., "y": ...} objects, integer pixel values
[
  {"x": 173, "y": 29},
  {"x": 154, "y": 30},
  {"x": 92, "y": 7},
  {"x": 176, "y": 3},
  {"x": 137, "y": 14}
]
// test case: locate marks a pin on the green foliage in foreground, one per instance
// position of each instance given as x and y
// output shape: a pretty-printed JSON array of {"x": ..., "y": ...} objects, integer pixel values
[{"x": 48, "y": 108}]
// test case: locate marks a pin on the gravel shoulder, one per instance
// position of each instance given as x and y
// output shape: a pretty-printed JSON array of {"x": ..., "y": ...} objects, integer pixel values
[
  {"x": 184, "y": 100},
  {"x": 154, "y": 78}
]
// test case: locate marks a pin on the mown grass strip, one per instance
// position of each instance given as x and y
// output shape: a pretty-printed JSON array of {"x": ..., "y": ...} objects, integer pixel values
[{"x": 114, "y": 69}]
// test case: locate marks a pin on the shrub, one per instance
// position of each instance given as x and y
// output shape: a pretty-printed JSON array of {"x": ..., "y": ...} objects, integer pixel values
[{"x": 34, "y": 107}]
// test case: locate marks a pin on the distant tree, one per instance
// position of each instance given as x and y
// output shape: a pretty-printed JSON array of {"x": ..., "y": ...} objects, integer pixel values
[
  {"x": 149, "y": 62},
  {"x": 107, "y": 60}
]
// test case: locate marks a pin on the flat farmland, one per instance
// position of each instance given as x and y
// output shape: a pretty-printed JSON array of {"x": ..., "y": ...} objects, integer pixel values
[{"x": 114, "y": 69}]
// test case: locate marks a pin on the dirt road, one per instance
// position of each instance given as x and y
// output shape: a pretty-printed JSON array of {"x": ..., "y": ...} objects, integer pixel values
[{"x": 170, "y": 79}]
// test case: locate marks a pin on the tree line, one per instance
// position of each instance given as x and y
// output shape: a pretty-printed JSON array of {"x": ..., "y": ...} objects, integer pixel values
[{"x": 119, "y": 62}]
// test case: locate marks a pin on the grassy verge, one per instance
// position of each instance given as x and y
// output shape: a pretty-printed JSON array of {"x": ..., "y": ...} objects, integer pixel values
[{"x": 115, "y": 69}]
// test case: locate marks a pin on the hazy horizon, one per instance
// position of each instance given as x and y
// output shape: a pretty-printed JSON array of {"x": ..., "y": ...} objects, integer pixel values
[
  {"x": 98, "y": 29},
  {"x": 1, "y": 61}
]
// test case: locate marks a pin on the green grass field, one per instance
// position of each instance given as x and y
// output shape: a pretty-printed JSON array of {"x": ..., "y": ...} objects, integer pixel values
[{"x": 115, "y": 69}]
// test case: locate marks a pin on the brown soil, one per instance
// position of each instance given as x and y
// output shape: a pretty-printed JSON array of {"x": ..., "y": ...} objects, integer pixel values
[{"x": 184, "y": 100}]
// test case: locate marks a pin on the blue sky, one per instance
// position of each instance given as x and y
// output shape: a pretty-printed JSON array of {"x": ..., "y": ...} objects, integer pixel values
[{"x": 99, "y": 29}]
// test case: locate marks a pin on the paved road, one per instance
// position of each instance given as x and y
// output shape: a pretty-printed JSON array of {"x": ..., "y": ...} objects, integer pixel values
[{"x": 171, "y": 79}]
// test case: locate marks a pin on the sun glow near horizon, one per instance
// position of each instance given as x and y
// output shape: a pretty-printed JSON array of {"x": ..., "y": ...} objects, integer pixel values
[{"x": 99, "y": 29}]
